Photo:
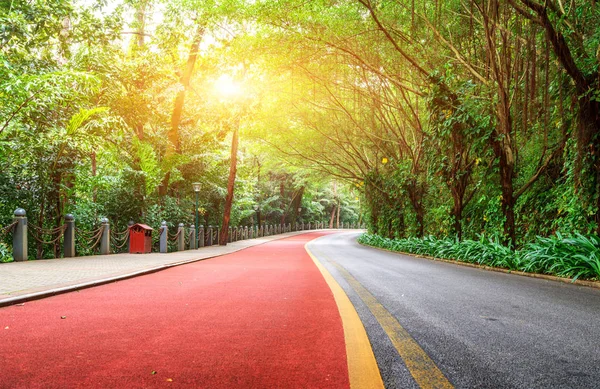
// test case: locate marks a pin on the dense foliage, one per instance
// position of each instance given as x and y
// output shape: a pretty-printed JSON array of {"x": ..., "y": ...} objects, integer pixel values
[
  {"x": 576, "y": 257},
  {"x": 102, "y": 115},
  {"x": 451, "y": 119}
]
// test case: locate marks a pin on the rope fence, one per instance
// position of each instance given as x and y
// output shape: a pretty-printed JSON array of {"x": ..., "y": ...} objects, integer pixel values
[
  {"x": 58, "y": 231},
  {"x": 119, "y": 240},
  {"x": 104, "y": 240},
  {"x": 10, "y": 227},
  {"x": 92, "y": 238}
]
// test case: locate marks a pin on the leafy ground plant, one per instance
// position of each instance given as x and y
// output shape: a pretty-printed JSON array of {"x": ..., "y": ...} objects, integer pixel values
[
  {"x": 5, "y": 253},
  {"x": 575, "y": 257}
]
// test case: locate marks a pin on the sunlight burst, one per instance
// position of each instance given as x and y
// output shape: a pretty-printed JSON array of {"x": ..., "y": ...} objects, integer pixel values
[{"x": 226, "y": 86}]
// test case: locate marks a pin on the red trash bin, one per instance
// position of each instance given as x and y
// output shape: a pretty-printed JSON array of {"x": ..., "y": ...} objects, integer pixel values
[{"x": 140, "y": 239}]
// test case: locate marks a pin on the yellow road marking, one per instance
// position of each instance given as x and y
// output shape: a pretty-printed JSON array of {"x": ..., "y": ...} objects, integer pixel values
[
  {"x": 421, "y": 367},
  {"x": 363, "y": 371}
]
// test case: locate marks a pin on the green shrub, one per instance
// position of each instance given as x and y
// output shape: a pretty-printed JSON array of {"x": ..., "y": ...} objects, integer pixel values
[
  {"x": 5, "y": 253},
  {"x": 576, "y": 257}
]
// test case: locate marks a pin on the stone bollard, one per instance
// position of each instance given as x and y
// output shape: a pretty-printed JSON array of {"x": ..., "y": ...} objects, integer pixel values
[
  {"x": 302, "y": 226},
  {"x": 201, "y": 236},
  {"x": 129, "y": 224},
  {"x": 181, "y": 237},
  {"x": 69, "y": 238},
  {"x": 164, "y": 237},
  {"x": 229, "y": 233},
  {"x": 245, "y": 232},
  {"x": 210, "y": 236},
  {"x": 192, "y": 235},
  {"x": 20, "y": 235},
  {"x": 105, "y": 239}
]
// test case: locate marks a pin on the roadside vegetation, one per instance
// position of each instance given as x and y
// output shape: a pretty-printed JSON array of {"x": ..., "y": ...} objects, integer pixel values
[
  {"x": 577, "y": 257},
  {"x": 451, "y": 119}
]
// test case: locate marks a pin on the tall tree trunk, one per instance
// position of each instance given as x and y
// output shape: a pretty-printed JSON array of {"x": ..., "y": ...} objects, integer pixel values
[
  {"x": 283, "y": 207},
  {"x": 174, "y": 144},
  {"x": 332, "y": 217},
  {"x": 258, "y": 180},
  {"x": 297, "y": 203},
  {"x": 415, "y": 195},
  {"x": 94, "y": 170},
  {"x": 501, "y": 137},
  {"x": 230, "y": 188},
  {"x": 337, "y": 222},
  {"x": 457, "y": 210},
  {"x": 502, "y": 149},
  {"x": 140, "y": 16}
]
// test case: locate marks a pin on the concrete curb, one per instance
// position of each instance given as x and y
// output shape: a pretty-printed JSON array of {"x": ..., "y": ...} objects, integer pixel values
[
  {"x": 590, "y": 284},
  {"x": 70, "y": 288}
]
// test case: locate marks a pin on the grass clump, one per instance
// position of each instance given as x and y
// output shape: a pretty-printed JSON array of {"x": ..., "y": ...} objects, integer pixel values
[{"x": 575, "y": 257}]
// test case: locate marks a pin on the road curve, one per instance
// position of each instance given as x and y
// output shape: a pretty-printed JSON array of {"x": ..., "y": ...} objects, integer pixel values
[{"x": 478, "y": 328}]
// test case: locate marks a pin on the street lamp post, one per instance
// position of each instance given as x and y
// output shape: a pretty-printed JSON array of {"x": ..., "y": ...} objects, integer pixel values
[{"x": 196, "y": 186}]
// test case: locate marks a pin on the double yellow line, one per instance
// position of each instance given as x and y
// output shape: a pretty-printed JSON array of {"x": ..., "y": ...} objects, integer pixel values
[{"x": 362, "y": 366}]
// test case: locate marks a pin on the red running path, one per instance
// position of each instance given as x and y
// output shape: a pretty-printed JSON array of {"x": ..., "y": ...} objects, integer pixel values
[{"x": 263, "y": 317}]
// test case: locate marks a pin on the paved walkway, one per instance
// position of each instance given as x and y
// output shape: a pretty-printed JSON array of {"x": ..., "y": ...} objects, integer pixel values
[
  {"x": 263, "y": 317},
  {"x": 22, "y": 281}
]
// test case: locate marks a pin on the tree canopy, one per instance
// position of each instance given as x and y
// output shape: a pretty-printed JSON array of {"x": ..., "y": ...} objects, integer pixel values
[{"x": 447, "y": 118}]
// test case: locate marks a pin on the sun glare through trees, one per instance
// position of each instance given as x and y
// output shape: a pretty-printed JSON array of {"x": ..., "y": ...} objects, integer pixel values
[{"x": 465, "y": 121}]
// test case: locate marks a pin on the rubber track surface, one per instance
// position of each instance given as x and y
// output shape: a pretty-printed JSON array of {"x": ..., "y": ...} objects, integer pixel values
[{"x": 263, "y": 317}]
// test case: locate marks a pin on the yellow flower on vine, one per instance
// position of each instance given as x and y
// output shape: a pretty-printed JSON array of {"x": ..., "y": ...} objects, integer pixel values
[{"x": 384, "y": 160}]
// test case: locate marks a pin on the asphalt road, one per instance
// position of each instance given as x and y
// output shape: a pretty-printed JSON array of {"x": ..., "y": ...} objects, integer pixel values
[{"x": 481, "y": 329}]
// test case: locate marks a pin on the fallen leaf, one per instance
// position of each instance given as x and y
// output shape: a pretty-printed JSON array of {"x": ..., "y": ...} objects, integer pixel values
[
  {"x": 153, "y": 372},
  {"x": 6, "y": 327},
  {"x": 63, "y": 317},
  {"x": 20, "y": 305},
  {"x": 169, "y": 379}
]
